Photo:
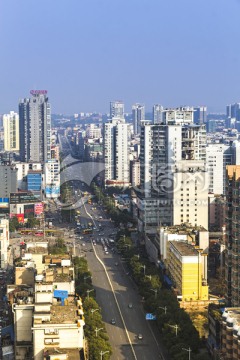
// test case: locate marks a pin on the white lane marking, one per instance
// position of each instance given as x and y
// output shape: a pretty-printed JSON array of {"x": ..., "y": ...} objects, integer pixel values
[{"x": 115, "y": 298}]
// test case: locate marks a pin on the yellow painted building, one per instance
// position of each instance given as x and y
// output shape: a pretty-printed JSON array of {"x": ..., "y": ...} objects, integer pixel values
[{"x": 186, "y": 269}]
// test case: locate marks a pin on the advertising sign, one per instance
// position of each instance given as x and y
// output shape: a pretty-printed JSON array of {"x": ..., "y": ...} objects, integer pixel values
[
  {"x": 20, "y": 217},
  {"x": 28, "y": 211},
  {"x": 4, "y": 203},
  {"x": 38, "y": 208},
  {"x": 22, "y": 198}
]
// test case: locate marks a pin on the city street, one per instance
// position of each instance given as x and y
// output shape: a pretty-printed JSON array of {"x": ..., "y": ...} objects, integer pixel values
[{"x": 115, "y": 290}]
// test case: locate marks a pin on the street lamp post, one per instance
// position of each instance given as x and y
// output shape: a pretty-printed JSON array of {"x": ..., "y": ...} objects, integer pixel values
[
  {"x": 123, "y": 237},
  {"x": 85, "y": 278},
  {"x": 144, "y": 268},
  {"x": 155, "y": 291},
  {"x": 102, "y": 353},
  {"x": 93, "y": 311},
  {"x": 97, "y": 330},
  {"x": 164, "y": 308},
  {"x": 175, "y": 327},
  {"x": 88, "y": 291},
  {"x": 189, "y": 352}
]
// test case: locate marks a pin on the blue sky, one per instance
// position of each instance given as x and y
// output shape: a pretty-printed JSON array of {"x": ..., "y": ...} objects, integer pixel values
[{"x": 89, "y": 52}]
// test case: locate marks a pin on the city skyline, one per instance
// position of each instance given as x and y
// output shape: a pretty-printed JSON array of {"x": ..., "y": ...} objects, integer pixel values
[{"x": 87, "y": 55}]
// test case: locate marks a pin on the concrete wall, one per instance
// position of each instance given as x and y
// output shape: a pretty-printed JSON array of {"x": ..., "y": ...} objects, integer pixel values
[{"x": 24, "y": 276}]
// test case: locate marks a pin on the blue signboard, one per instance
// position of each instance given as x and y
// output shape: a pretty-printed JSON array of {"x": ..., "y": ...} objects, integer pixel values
[
  {"x": 150, "y": 316},
  {"x": 61, "y": 294}
]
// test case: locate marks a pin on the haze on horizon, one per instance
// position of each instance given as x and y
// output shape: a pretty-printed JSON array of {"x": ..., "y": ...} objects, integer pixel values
[{"x": 87, "y": 53}]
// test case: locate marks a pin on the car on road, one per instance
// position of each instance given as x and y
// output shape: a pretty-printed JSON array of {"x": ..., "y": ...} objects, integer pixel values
[
  {"x": 140, "y": 337},
  {"x": 116, "y": 263},
  {"x": 113, "y": 321},
  {"x": 130, "y": 305}
]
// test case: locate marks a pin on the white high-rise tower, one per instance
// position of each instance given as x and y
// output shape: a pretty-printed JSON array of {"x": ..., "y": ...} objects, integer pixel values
[
  {"x": 157, "y": 113},
  {"x": 117, "y": 109},
  {"x": 173, "y": 176},
  {"x": 116, "y": 153},
  {"x": 11, "y": 131}
]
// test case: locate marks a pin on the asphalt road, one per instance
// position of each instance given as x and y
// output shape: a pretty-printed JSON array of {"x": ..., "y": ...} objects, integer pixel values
[{"x": 115, "y": 291}]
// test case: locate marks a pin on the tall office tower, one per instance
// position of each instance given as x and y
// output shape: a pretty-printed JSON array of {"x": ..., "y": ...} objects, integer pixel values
[
  {"x": 233, "y": 111},
  {"x": 138, "y": 114},
  {"x": 35, "y": 127},
  {"x": 232, "y": 115},
  {"x": 116, "y": 153},
  {"x": 11, "y": 131},
  {"x": 173, "y": 177},
  {"x": 232, "y": 243},
  {"x": 200, "y": 115},
  {"x": 117, "y": 109},
  {"x": 157, "y": 113}
]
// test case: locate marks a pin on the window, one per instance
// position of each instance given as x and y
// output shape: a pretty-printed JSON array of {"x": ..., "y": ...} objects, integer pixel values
[{"x": 51, "y": 341}]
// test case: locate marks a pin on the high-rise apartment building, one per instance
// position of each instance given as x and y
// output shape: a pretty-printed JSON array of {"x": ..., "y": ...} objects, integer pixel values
[
  {"x": 173, "y": 177},
  {"x": 35, "y": 127},
  {"x": 116, "y": 153},
  {"x": 200, "y": 115},
  {"x": 218, "y": 156},
  {"x": 117, "y": 109},
  {"x": 138, "y": 114},
  {"x": 232, "y": 243},
  {"x": 11, "y": 131},
  {"x": 157, "y": 113}
]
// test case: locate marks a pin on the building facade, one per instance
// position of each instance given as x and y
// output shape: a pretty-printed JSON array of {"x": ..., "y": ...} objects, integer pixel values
[
  {"x": 117, "y": 109},
  {"x": 4, "y": 240},
  {"x": 138, "y": 114},
  {"x": 185, "y": 269},
  {"x": 35, "y": 127},
  {"x": 8, "y": 180},
  {"x": 116, "y": 153},
  {"x": 230, "y": 334},
  {"x": 232, "y": 244},
  {"x": 173, "y": 176},
  {"x": 157, "y": 113},
  {"x": 200, "y": 115},
  {"x": 52, "y": 178},
  {"x": 11, "y": 131}
]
